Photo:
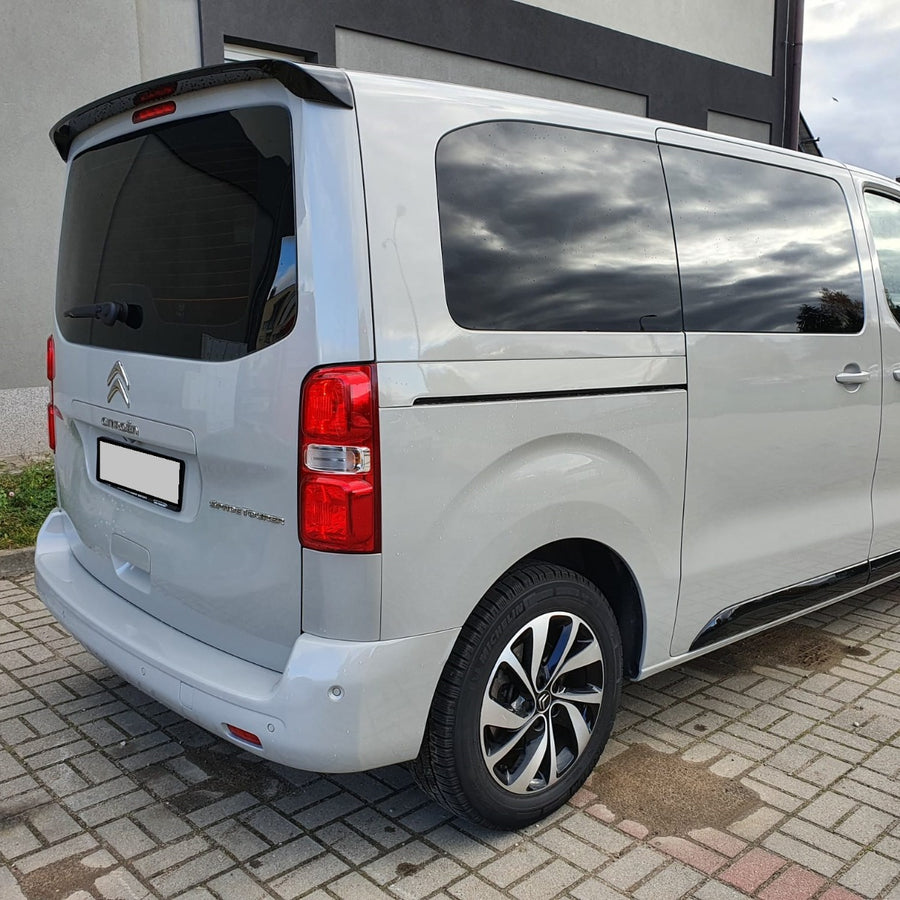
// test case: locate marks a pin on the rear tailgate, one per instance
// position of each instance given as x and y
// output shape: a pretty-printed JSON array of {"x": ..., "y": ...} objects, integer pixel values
[{"x": 198, "y": 251}]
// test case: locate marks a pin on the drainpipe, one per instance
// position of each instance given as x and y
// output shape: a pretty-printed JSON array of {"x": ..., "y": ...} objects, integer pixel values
[{"x": 793, "y": 56}]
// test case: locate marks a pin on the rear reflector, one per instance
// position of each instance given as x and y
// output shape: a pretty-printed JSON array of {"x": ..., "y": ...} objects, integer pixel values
[
  {"x": 52, "y": 411},
  {"x": 339, "y": 496},
  {"x": 153, "y": 112},
  {"x": 247, "y": 736}
]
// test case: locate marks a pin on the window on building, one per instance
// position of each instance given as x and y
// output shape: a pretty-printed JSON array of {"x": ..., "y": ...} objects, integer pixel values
[
  {"x": 762, "y": 248},
  {"x": 546, "y": 228},
  {"x": 245, "y": 52},
  {"x": 738, "y": 126}
]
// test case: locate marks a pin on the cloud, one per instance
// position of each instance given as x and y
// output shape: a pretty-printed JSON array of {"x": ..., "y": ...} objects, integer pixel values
[
  {"x": 850, "y": 71},
  {"x": 831, "y": 20}
]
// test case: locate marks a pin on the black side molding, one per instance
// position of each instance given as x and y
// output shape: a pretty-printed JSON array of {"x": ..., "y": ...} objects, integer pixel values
[
  {"x": 885, "y": 567},
  {"x": 769, "y": 609},
  {"x": 318, "y": 83},
  {"x": 547, "y": 395}
]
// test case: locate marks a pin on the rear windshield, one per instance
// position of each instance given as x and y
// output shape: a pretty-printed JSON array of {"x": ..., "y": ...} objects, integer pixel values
[{"x": 189, "y": 227}]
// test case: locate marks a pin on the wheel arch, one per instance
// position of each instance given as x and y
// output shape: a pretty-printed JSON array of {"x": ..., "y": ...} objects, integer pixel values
[{"x": 606, "y": 569}]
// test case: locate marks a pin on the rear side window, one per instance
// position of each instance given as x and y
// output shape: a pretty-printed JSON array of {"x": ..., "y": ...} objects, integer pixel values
[
  {"x": 884, "y": 214},
  {"x": 555, "y": 229},
  {"x": 192, "y": 223},
  {"x": 761, "y": 248}
]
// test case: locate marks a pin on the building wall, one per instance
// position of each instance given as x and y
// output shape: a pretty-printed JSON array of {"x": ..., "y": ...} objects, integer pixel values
[
  {"x": 738, "y": 32},
  {"x": 56, "y": 55},
  {"x": 715, "y": 64},
  {"x": 684, "y": 57},
  {"x": 371, "y": 53}
]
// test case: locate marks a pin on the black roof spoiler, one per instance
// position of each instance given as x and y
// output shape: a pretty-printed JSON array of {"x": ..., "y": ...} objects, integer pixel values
[{"x": 324, "y": 85}]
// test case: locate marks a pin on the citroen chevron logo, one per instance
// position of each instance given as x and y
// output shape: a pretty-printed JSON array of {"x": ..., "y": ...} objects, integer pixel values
[{"x": 117, "y": 382}]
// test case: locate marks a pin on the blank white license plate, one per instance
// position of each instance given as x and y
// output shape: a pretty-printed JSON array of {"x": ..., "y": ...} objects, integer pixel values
[{"x": 151, "y": 476}]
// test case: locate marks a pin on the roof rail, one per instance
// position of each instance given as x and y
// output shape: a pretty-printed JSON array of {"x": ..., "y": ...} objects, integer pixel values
[{"x": 318, "y": 83}]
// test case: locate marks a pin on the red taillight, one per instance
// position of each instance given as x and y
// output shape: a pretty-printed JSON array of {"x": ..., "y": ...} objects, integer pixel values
[
  {"x": 243, "y": 735},
  {"x": 153, "y": 112},
  {"x": 337, "y": 514},
  {"x": 339, "y": 485},
  {"x": 52, "y": 411},
  {"x": 337, "y": 405}
]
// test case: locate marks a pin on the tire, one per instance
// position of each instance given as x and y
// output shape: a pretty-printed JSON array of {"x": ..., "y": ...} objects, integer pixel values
[{"x": 513, "y": 733}]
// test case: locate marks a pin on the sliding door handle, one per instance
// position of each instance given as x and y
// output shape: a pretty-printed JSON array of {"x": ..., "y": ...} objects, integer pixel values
[{"x": 846, "y": 377}]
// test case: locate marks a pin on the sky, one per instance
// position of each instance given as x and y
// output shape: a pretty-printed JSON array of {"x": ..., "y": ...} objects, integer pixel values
[{"x": 850, "y": 87}]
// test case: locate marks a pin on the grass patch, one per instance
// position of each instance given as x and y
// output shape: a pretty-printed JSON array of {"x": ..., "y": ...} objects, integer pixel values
[{"x": 26, "y": 497}]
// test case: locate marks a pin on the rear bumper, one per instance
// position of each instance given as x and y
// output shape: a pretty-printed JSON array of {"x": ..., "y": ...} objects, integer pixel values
[{"x": 376, "y": 718}]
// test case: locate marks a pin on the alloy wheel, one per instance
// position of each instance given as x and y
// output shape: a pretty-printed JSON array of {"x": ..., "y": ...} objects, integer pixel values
[{"x": 541, "y": 702}]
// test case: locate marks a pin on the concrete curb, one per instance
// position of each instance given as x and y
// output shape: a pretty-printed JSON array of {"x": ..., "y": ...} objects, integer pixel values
[{"x": 16, "y": 562}]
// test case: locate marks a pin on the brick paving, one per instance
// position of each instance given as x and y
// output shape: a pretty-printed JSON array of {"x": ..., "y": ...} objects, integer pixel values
[{"x": 106, "y": 794}]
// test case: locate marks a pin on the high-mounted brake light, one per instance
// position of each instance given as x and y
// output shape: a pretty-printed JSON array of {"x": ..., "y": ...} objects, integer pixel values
[
  {"x": 339, "y": 495},
  {"x": 153, "y": 112},
  {"x": 52, "y": 412},
  {"x": 157, "y": 93}
]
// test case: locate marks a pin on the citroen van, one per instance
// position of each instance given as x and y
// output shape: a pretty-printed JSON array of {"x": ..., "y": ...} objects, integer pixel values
[{"x": 400, "y": 421}]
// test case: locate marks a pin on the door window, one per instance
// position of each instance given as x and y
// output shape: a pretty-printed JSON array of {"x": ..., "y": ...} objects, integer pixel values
[
  {"x": 762, "y": 248},
  {"x": 884, "y": 214}
]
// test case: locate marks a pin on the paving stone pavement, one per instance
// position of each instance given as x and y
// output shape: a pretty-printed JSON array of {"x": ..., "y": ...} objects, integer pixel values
[{"x": 106, "y": 794}]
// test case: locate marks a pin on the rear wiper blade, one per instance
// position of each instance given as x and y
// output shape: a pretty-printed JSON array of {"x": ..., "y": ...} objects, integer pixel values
[{"x": 109, "y": 313}]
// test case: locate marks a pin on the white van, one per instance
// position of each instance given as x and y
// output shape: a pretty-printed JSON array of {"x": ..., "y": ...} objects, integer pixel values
[{"x": 400, "y": 421}]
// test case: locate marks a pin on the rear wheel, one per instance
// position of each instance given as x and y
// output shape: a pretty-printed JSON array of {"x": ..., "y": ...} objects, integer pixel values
[{"x": 526, "y": 701}]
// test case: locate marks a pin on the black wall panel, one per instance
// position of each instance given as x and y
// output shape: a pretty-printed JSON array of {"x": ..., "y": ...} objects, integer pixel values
[{"x": 681, "y": 87}]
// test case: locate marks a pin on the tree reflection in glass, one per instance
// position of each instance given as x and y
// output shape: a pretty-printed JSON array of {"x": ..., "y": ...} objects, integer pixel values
[{"x": 762, "y": 248}]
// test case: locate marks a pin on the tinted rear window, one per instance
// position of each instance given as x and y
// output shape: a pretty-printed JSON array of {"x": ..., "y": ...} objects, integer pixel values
[
  {"x": 546, "y": 228},
  {"x": 193, "y": 222}
]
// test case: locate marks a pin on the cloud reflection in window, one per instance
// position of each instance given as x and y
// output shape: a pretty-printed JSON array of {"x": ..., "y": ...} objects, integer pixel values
[
  {"x": 884, "y": 214},
  {"x": 554, "y": 229},
  {"x": 762, "y": 248}
]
